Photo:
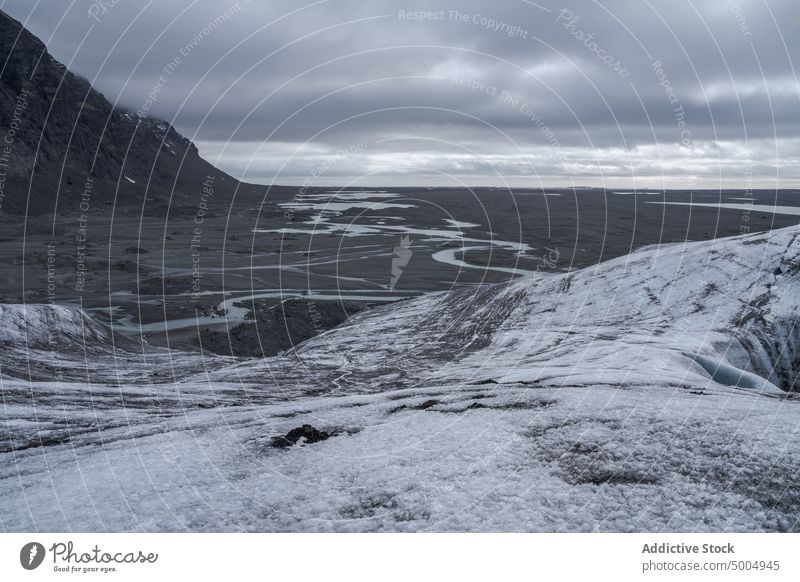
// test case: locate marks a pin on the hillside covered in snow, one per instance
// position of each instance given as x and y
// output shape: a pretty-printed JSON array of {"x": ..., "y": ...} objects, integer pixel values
[{"x": 653, "y": 392}]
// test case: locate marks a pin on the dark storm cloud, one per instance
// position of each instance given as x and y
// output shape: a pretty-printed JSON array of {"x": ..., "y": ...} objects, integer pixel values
[{"x": 468, "y": 88}]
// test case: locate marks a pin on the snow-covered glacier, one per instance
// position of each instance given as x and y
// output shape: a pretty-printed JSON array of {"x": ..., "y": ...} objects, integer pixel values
[{"x": 653, "y": 392}]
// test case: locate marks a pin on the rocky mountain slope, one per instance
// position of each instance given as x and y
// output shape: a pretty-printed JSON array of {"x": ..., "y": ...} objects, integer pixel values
[
  {"x": 64, "y": 134},
  {"x": 653, "y": 392}
]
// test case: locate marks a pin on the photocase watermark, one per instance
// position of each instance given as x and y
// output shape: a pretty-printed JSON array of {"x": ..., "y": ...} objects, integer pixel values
[
  {"x": 320, "y": 170},
  {"x": 421, "y": 15},
  {"x": 52, "y": 323},
  {"x": 172, "y": 66},
  {"x": 50, "y": 265},
  {"x": 744, "y": 226},
  {"x": 314, "y": 315},
  {"x": 508, "y": 99},
  {"x": 6, "y": 148},
  {"x": 739, "y": 16},
  {"x": 477, "y": 19},
  {"x": 100, "y": 8},
  {"x": 476, "y": 85},
  {"x": 402, "y": 255},
  {"x": 197, "y": 234},
  {"x": 679, "y": 115},
  {"x": 490, "y": 24},
  {"x": 548, "y": 260},
  {"x": 31, "y": 555},
  {"x": 663, "y": 81},
  {"x": 81, "y": 238},
  {"x": 672, "y": 97},
  {"x": 569, "y": 20},
  {"x": 66, "y": 558}
]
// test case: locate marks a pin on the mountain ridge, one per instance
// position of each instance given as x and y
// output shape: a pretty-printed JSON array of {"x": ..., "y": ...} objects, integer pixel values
[{"x": 68, "y": 141}]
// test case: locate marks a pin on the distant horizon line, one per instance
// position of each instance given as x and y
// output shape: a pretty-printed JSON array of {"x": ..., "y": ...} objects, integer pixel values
[{"x": 384, "y": 186}]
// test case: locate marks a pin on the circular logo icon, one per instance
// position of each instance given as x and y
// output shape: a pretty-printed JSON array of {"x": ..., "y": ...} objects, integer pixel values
[{"x": 31, "y": 555}]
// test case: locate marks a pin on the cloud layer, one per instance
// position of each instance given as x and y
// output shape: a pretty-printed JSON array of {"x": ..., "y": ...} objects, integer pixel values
[{"x": 649, "y": 94}]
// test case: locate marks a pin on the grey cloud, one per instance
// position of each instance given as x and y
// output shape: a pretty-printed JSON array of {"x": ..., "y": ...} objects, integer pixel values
[{"x": 250, "y": 71}]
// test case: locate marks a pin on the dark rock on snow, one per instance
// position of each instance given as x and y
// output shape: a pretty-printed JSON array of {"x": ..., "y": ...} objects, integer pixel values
[{"x": 307, "y": 432}]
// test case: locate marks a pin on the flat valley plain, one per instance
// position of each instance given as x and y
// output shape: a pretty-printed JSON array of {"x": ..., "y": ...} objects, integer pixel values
[{"x": 169, "y": 272}]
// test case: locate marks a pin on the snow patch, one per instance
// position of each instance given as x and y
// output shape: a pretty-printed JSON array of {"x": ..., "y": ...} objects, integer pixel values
[{"x": 43, "y": 326}]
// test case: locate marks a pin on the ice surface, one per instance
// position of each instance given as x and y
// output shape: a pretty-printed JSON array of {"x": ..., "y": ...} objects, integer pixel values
[
  {"x": 724, "y": 373},
  {"x": 647, "y": 393}
]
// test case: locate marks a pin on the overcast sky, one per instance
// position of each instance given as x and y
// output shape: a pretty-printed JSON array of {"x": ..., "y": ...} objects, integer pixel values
[{"x": 652, "y": 93}]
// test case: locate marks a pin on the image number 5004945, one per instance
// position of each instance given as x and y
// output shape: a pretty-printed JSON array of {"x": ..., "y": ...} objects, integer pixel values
[{"x": 31, "y": 555}]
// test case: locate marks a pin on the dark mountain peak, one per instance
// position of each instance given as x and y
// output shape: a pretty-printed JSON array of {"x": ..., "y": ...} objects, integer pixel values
[
  {"x": 65, "y": 134},
  {"x": 21, "y": 49}
]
